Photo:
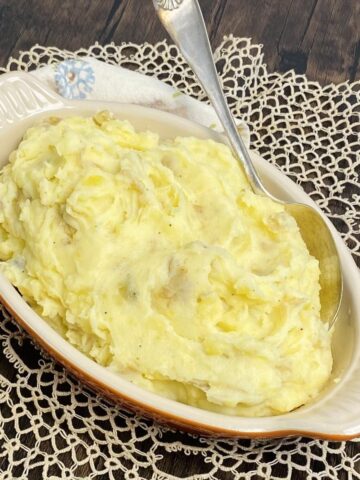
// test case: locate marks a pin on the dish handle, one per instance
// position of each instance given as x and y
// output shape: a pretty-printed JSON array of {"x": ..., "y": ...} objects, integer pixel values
[{"x": 21, "y": 96}]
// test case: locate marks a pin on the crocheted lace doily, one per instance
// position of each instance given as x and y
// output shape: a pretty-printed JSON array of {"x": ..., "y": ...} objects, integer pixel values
[{"x": 54, "y": 427}]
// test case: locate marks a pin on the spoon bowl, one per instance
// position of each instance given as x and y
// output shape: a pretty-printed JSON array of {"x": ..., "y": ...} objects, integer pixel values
[{"x": 184, "y": 22}]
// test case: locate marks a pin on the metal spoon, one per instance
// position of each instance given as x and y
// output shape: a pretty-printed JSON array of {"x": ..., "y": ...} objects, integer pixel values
[{"x": 185, "y": 24}]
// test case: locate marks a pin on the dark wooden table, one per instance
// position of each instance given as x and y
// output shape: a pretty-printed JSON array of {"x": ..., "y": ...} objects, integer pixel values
[{"x": 316, "y": 37}]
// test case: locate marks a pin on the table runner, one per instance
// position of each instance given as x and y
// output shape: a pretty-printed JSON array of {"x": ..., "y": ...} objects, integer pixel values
[{"x": 51, "y": 427}]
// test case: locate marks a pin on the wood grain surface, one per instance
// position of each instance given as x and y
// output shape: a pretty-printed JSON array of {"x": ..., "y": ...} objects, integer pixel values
[{"x": 316, "y": 37}]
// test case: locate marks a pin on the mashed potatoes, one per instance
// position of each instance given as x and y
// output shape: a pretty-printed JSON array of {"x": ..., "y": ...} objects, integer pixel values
[{"x": 157, "y": 260}]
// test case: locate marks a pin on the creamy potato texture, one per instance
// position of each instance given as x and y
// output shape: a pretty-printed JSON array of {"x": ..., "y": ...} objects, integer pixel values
[{"x": 157, "y": 260}]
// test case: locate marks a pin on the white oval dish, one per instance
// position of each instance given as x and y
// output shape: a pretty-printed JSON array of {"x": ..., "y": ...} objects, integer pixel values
[{"x": 335, "y": 414}]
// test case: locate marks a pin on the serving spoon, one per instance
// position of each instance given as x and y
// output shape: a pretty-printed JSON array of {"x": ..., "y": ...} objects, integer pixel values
[{"x": 184, "y": 22}]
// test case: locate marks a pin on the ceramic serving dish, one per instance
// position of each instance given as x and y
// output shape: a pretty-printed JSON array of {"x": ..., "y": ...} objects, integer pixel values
[{"x": 335, "y": 414}]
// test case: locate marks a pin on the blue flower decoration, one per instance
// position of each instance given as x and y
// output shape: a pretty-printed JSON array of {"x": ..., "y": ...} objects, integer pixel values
[{"x": 74, "y": 79}]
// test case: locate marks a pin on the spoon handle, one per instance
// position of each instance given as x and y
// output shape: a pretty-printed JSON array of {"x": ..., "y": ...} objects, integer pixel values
[{"x": 184, "y": 22}]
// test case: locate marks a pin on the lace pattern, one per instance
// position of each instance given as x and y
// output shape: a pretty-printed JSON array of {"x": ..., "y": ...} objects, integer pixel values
[{"x": 52, "y": 426}]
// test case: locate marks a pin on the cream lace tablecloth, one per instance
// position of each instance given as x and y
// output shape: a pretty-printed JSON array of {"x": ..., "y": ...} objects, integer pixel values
[{"x": 51, "y": 427}]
